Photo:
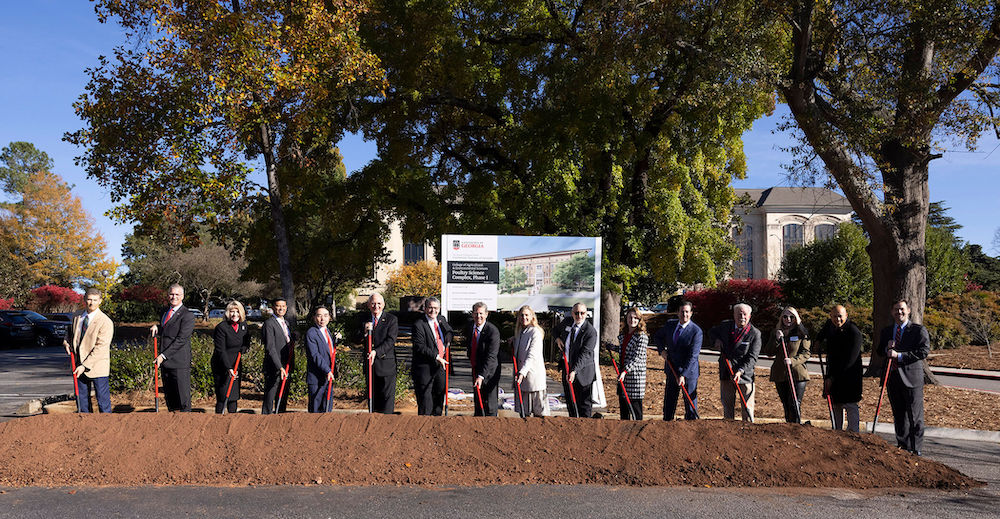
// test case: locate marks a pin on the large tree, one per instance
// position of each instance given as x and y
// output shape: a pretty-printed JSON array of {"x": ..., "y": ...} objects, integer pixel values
[
  {"x": 47, "y": 237},
  {"x": 875, "y": 89},
  {"x": 608, "y": 118},
  {"x": 204, "y": 92}
]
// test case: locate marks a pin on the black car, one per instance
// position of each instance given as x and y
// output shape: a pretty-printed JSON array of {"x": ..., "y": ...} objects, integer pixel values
[
  {"x": 47, "y": 332},
  {"x": 15, "y": 329}
]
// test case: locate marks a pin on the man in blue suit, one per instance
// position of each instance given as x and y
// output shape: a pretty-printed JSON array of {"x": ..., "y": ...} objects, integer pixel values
[
  {"x": 679, "y": 343},
  {"x": 319, "y": 365}
]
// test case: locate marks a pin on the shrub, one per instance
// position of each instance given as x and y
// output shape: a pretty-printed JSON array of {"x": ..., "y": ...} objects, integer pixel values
[
  {"x": 971, "y": 316},
  {"x": 421, "y": 279},
  {"x": 139, "y": 303},
  {"x": 827, "y": 271},
  {"x": 53, "y": 298},
  {"x": 6, "y": 304},
  {"x": 714, "y": 305}
]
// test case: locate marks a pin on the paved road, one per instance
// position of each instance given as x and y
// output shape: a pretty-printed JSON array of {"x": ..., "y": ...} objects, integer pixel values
[
  {"x": 30, "y": 374},
  {"x": 975, "y": 458}
]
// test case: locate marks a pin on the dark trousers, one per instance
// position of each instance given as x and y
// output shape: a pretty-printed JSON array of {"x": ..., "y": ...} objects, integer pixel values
[
  {"x": 673, "y": 391},
  {"x": 177, "y": 388},
  {"x": 584, "y": 404},
  {"x": 636, "y": 408},
  {"x": 101, "y": 387},
  {"x": 787, "y": 402},
  {"x": 488, "y": 407},
  {"x": 429, "y": 388},
  {"x": 229, "y": 406},
  {"x": 272, "y": 383},
  {"x": 318, "y": 396},
  {"x": 907, "y": 413},
  {"x": 383, "y": 393}
]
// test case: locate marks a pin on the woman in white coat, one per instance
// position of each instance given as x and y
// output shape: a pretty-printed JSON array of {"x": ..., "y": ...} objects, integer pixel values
[{"x": 527, "y": 345}]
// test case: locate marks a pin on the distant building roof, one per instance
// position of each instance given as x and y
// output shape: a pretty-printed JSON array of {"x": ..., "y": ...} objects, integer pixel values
[
  {"x": 815, "y": 197},
  {"x": 547, "y": 254}
]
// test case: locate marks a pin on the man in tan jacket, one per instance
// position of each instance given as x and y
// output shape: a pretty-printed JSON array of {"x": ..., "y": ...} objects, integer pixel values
[{"x": 92, "y": 333}]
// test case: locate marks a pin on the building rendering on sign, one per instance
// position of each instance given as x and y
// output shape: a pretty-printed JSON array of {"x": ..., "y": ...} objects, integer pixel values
[
  {"x": 540, "y": 267},
  {"x": 781, "y": 218}
]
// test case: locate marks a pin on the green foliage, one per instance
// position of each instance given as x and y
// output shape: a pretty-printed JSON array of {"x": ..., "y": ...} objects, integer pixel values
[
  {"x": 512, "y": 280},
  {"x": 945, "y": 330},
  {"x": 20, "y": 160},
  {"x": 984, "y": 270},
  {"x": 947, "y": 266},
  {"x": 576, "y": 274},
  {"x": 827, "y": 272},
  {"x": 976, "y": 314},
  {"x": 589, "y": 119},
  {"x": 131, "y": 367}
]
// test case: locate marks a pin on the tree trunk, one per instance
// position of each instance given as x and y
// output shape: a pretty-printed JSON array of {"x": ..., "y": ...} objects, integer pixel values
[
  {"x": 278, "y": 220},
  {"x": 611, "y": 310},
  {"x": 897, "y": 247}
]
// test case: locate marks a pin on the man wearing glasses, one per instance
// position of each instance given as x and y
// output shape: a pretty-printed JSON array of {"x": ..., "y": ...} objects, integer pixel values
[{"x": 579, "y": 345}]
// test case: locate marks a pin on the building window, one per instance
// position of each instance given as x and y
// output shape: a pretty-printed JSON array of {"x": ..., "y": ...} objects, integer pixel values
[
  {"x": 413, "y": 253},
  {"x": 825, "y": 231},
  {"x": 743, "y": 268},
  {"x": 791, "y": 237}
]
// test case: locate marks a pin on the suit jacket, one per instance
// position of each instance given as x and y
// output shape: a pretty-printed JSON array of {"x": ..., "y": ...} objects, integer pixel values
[
  {"x": 228, "y": 342},
  {"x": 175, "y": 338},
  {"x": 383, "y": 344},
  {"x": 277, "y": 349},
  {"x": 582, "y": 352},
  {"x": 528, "y": 347},
  {"x": 93, "y": 348},
  {"x": 425, "y": 345},
  {"x": 683, "y": 353},
  {"x": 487, "y": 352},
  {"x": 915, "y": 345},
  {"x": 797, "y": 344},
  {"x": 843, "y": 361},
  {"x": 742, "y": 355},
  {"x": 317, "y": 355}
]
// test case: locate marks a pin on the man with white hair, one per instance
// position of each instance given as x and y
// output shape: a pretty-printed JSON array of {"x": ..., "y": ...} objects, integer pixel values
[
  {"x": 738, "y": 343},
  {"x": 383, "y": 328}
]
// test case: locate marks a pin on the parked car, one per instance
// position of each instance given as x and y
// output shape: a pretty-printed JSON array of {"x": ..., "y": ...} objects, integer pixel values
[
  {"x": 660, "y": 308},
  {"x": 46, "y": 332},
  {"x": 15, "y": 329},
  {"x": 198, "y": 314},
  {"x": 254, "y": 314},
  {"x": 62, "y": 316},
  {"x": 217, "y": 313}
]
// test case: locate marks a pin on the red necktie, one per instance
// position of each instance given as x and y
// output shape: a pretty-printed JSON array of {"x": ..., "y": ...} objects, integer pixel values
[
  {"x": 437, "y": 337},
  {"x": 170, "y": 314},
  {"x": 475, "y": 346}
]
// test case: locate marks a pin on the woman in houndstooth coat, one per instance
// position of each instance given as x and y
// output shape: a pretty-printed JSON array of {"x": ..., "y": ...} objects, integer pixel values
[{"x": 633, "y": 364}]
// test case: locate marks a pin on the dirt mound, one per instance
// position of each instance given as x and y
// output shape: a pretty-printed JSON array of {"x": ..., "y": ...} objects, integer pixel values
[{"x": 362, "y": 449}]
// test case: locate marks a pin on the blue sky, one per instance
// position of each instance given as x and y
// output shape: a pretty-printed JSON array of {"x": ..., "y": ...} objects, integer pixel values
[{"x": 47, "y": 45}]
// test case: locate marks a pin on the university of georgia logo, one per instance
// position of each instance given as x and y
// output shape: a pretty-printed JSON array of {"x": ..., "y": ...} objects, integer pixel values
[{"x": 456, "y": 244}]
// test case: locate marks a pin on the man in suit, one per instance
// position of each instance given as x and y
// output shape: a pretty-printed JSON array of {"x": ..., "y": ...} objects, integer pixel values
[
  {"x": 907, "y": 345},
  {"x": 843, "y": 342},
  {"x": 92, "y": 333},
  {"x": 382, "y": 327},
  {"x": 483, "y": 350},
  {"x": 279, "y": 344},
  {"x": 679, "y": 343},
  {"x": 431, "y": 337},
  {"x": 319, "y": 361},
  {"x": 174, "y": 361},
  {"x": 579, "y": 345},
  {"x": 739, "y": 343}
]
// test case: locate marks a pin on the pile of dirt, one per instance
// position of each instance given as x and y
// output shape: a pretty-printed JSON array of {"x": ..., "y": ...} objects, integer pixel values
[{"x": 362, "y": 449}]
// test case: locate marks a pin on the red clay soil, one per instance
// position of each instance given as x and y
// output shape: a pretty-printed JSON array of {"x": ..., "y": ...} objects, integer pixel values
[{"x": 361, "y": 449}]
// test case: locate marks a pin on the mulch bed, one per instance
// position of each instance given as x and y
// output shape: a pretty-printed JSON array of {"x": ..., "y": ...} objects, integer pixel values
[
  {"x": 362, "y": 449},
  {"x": 968, "y": 357}
]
